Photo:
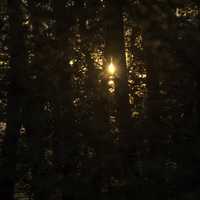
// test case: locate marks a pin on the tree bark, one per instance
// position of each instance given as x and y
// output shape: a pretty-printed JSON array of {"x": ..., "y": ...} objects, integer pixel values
[
  {"x": 63, "y": 106},
  {"x": 115, "y": 49},
  {"x": 14, "y": 104},
  {"x": 153, "y": 95}
]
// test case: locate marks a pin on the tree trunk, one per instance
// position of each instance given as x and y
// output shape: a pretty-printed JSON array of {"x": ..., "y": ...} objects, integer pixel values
[
  {"x": 115, "y": 49},
  {"x": 151, "y": 52},
  {"x": 63, "y": 110},
  {"x": 14, "y": 103}
]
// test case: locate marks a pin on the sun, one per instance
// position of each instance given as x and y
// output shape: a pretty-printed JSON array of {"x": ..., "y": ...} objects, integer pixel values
[{"x": 111, "y": 69}]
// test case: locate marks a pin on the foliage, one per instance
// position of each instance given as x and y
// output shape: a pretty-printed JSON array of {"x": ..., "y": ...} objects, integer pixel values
[{"x": 71, "y": 130}]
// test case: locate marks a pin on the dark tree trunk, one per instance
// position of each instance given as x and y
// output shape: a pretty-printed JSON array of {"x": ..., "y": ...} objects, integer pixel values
[
  {"x": 8, "y": 173},
  {"x": 63, "y": 110},
  {"x": 115, "y": 49},
  {"x": 35, "y": 128},
  {"x": 14, "y": 104},
  {"x": 33, "y": 115},
  {"x": 153, "y": 94},
  {"x": 61, "y": 60}
]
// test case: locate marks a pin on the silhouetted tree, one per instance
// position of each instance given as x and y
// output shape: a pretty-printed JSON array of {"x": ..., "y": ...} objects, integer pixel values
[{"x": 15, "y": 96}]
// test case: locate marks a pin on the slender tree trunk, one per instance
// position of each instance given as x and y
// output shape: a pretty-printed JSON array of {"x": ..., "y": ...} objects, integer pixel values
[
  {"x": 59, "y": 15},
  {"x": 15, "y": 95},
  {"x": 8, "y": 172},
  {"x": 115, "y": 49},
  {"x": 35, "y": 128},
  {"x": 153, "y": 108},
  {"x": 63, "y": 110},
  {"x": 34, "y": 120}
]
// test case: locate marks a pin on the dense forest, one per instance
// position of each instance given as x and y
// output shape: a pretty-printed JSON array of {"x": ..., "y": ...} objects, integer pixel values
[{"x": 99, "y": 99}]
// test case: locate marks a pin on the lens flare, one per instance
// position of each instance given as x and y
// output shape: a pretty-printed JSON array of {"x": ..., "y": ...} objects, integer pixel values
[{"x": 111, "y": 69}]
